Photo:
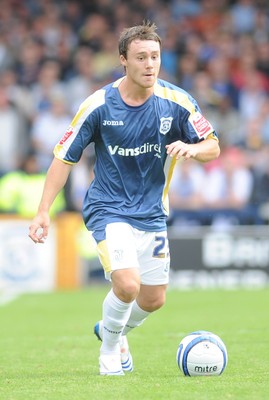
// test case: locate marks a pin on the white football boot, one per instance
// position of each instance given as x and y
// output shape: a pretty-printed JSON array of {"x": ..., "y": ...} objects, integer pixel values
[
  {"x": 125, "y": 355},
  {"x": 110, "y": 364}
]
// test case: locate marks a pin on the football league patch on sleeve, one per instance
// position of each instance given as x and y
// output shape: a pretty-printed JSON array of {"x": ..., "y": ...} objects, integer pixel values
[
  {"x": 67, "y": 134},
  {"x": 201, "y": 125}
]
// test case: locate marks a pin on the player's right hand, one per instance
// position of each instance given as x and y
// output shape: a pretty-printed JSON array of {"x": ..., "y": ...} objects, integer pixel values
[{"x": 39, "y": 228}]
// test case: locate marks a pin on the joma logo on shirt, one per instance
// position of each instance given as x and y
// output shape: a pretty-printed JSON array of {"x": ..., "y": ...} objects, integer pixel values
[
  {"x": 134, "y": 151},
  {"x": 112, "y": 123}
]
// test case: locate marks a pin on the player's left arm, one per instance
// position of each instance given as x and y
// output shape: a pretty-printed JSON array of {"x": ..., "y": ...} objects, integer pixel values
[{"x": 203, "y": 151}]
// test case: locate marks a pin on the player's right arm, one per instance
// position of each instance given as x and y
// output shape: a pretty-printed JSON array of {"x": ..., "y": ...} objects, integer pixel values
[{"x": 56, "y": 178}]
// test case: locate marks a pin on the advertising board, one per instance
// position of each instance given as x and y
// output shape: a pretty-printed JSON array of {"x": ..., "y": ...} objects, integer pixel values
[
  {"x": 24, "y": 266},
  {"x": 206, "y": 258}
]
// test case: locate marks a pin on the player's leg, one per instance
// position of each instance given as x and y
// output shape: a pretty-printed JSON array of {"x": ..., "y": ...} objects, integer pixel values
[
  {"x": 116, "y": 312},
  {"x": 154, "y": 272},
  {"x": 150, "y": 299},
  {"x": 118, "y": 255},
  {"x": 117, "y": 307}
]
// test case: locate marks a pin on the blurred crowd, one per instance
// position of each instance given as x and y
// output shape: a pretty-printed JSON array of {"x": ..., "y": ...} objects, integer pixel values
[{"x": 54, "y": 54}]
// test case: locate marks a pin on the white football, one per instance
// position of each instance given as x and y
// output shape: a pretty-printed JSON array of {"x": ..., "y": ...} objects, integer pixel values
[{"x": 202, "y": 353}]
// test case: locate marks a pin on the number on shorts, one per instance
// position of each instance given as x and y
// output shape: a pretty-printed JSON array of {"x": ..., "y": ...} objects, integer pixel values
[{"x": 159, "y": 250}]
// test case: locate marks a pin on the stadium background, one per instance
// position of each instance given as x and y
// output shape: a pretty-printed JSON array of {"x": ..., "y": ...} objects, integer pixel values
[{"x": 53, "y": 54}]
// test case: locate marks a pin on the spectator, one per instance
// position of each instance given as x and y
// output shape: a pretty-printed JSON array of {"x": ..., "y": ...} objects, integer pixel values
[
  {"x": 13, "y": 139},
  {"x": 6, "y": 57},
  {"x": 185, "y": 195},
  {"x": 228, "y": 188},
  {"x": 48, "y": 127},
  {"x": 47, "y": 85},
  {"x": 73, "y": 14},
  {"x": 219, "y": 70},
  {"x": 81, "y": 84},
  {"x": 187, "y": 68},
  {"x": 226, "y": 120},
  {"x": 252, "y": 136},
  {"x": 29, "y": 60},
  {"x": 105, "y": 62},
  {"x": 169, "y": 54},
  {"x": 203, "y": 91},
  {"x": 251, "y": 99},
  {"x": 20, "y": 96},
  {"x": 185, "y": 8},
  {"x": 259, "y": 201},
  {"x": 243, "y": 14},
  {"x": 93, "y": 31},
  {"x": 21, "y": 190}
]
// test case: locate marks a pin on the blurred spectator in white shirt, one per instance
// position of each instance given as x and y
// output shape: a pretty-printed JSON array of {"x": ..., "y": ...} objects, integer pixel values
[
  {"x": 80, "y": 85},
  {"x": 14, "y": 142},
  {"x": 20, "y": 96},
  {"x": 186, "y": 192},
  {"x": 47, "y": 85},
  {"x": 228, "y": 186},
  {"x": 48, "y": 128}
]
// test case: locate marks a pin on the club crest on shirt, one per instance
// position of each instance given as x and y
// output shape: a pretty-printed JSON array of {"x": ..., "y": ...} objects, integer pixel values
[{"x": 165, "y": 125}]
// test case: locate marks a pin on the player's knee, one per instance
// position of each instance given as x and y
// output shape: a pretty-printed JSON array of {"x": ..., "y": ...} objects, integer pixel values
[
  {"x": 128, "y": 291},
  {"x": 126, "y": 286}
]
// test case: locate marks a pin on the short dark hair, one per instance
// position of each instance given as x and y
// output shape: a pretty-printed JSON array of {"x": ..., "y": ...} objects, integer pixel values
[{"x": 146, "y": 31}]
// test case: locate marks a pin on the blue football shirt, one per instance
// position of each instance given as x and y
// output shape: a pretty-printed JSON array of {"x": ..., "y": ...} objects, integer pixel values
[{"x": 132, "y": 170}]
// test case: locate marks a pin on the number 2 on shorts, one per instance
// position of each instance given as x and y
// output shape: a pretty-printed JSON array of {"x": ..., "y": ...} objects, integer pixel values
[{"x": 160, "y": 250}]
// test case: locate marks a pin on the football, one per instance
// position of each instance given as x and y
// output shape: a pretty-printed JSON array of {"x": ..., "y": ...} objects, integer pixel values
[{"x": 202, "y": 353}]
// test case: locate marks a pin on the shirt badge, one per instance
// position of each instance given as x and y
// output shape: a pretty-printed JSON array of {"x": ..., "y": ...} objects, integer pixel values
[{"x": 165, "y": 125}]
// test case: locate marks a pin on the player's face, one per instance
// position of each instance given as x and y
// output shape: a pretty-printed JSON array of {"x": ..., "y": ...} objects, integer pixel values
[{"x": 143, "y": 62}]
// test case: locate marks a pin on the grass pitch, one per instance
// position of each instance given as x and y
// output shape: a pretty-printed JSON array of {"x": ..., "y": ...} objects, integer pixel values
[{"x": 48, "y": 351}]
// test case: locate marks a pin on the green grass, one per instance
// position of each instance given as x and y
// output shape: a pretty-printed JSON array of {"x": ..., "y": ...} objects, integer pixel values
[{"x": 48, "y": 351}]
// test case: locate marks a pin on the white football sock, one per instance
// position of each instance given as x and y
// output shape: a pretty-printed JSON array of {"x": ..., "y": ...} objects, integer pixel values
[
  {"x": 115, "y": 315},
  {"x": 137, "y": 317}
]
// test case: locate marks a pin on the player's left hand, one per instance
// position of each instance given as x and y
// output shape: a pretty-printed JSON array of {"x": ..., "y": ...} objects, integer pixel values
[{"x": 180, "y": 149}]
